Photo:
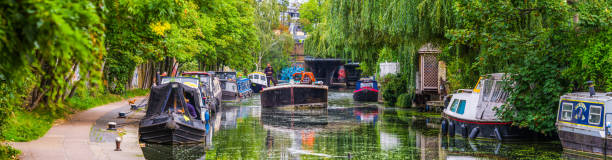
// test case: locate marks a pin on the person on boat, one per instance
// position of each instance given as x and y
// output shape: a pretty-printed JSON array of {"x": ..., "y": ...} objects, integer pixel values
[
  {"x": 270, "y": 74},
  {"x": 191, "y": 109}
]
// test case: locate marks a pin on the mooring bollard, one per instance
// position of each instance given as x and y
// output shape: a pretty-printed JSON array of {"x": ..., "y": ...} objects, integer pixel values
[
  {"x": 112, "y": 126},
  {"x": 118, "y": 144}
]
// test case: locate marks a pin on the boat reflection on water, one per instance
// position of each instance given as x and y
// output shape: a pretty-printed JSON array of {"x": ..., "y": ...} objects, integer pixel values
[
  {"x": 346, "y": 129},
  {"x": 154, "y": 151}
]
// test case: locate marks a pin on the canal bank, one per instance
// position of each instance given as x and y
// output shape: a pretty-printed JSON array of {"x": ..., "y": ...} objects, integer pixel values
[{"x": 73, "y": 138}]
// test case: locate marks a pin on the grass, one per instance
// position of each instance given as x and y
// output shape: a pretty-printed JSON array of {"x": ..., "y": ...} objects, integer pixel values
[
  {"x": 8, "y": 152},
  {"x": 26, "y": 126}
]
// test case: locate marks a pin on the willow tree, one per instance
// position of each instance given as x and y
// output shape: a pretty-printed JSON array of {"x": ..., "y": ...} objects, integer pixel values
[{"x": 549, "y": 47}]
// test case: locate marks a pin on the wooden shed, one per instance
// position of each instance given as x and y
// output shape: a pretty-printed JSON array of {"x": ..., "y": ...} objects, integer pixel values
[{"x": 430, "y": 76}]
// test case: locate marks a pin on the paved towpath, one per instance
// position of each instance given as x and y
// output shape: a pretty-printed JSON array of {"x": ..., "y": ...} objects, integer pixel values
[{"x": 72, "y": 139}]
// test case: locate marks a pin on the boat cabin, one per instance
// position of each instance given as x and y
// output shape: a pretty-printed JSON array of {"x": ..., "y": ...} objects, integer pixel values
[
  {"x": 258, "y": 78},
  {"x": 479, "y": 103},
  {"x": 582, "y": 120}
]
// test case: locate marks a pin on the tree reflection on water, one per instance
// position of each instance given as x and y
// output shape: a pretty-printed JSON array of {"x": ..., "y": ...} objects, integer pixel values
[{"x": 348, "y": 129}]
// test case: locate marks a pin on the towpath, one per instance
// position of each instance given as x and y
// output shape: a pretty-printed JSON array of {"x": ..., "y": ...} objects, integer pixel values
[{"x": 83, "y": 136}]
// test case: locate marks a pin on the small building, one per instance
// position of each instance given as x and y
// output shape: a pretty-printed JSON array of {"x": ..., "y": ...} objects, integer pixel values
[{"x": 431, "y": 76}]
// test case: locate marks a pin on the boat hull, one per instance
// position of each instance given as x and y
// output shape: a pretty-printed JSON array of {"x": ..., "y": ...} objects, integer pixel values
[
  {"x": 486, "y": 129},
  {"x": 166, "y": 130},
  {"x": 229, "y": 96},
  {"x": 257, "y": 87},
  {"x": 583, "y": 143},
  {"x": 365, "y": 95},
  {"x": 294, "y": 95}
]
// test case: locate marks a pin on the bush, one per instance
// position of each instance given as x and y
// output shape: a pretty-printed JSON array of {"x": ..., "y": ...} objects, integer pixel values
[
  {"x": 404, "y": 100},
  {"x": 392, "y": 86},
  {"x": 8, "y": 152}
]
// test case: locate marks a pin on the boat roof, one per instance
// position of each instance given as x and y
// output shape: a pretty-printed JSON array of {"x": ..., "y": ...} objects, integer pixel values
[
  {"x": 195, "y": 73},
  {"x": 585, "y": 95},
  {"x": 257, "y": 73},
  {"x": 160, "y": 95},
  {"x": 496, "y": 76}
]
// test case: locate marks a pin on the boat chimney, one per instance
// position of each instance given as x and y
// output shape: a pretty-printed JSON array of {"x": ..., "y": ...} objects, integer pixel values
[{"x": 591, "y": 88}]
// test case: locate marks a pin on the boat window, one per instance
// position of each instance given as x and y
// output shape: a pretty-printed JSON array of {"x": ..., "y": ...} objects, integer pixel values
[
  {"x": 566, "y": 111},
  {"x": 454, "y": 106},
  {"x": 595, "y": 114},
  {"x": 256, "y": 77},
  {"x": 461, "y": 109},
  {"x": 486, "y": 90},
  {"x": 496, "y": 91}
]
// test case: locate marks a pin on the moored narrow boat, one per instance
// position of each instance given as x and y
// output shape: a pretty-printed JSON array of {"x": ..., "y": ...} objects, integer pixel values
[
  {"x": 229, "y": 86},
  {"x": 366, "y": 90},
  {"x": 258, "y": 81},
  {"x": 471, "y": 113},
  {"x": 168, "y": 120},
  {"x": 583, "y": 122},
  {"x": 303, "y": 93}
]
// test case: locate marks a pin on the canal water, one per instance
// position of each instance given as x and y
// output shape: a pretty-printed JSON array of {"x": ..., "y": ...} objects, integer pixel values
[{"x": 346, "y": 129}]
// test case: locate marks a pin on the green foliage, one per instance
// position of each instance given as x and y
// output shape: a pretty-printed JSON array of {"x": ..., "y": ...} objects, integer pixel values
[
  {"x": 207, "y": 33},
  {"x": 537, "y": 42},
  {"x": 311, "y": 13},
  {"x": 275, "y": 43},
  {"x": 8, "y": 152},
  {"x": 393, "y": 87},
  {"x": 26, "y": 126},
  {"x": 404, "y": 100},
  {"x": 47, "y": 42}
]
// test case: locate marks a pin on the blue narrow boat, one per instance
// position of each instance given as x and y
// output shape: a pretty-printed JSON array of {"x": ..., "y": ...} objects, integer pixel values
[
  {"x": 244, "y": 88},
  {"x": 583, "y": 122},
  {"x": 366, "y": 90}
]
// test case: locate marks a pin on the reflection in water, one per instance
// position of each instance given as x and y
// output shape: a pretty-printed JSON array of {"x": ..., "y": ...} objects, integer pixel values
[
  {"x": 346, "y": 128},
  {"x": 164, "y": 152}
]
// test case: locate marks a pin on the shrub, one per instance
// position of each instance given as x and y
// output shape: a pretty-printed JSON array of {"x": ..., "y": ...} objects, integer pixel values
[
  {"x": 404, "y": 100},
  {"x": 392, "y": 86}
]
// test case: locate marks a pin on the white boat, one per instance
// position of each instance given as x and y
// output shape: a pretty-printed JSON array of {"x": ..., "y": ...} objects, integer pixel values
[{"x": 471, "y": 113}]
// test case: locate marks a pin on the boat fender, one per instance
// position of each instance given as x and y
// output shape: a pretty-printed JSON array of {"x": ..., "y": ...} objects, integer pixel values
[
  {"x": 464, "y": 131},
  {"x": 444, "y": 127},
  {"x": 172, "y": 125},
  {"x": 451, "y": 129},
  {"x": 474, "y": 132},
  {"x": 497, "y": 134}
]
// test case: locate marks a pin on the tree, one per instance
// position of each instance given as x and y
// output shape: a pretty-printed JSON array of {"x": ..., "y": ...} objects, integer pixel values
[
  {"x": 531, "y": 40},
  {"x": 274, "y": 42},
  {"x": 311, "y": 14}
]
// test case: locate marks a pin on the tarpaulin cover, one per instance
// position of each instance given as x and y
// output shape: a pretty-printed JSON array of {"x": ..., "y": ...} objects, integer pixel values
[{"x": 162, "y": 94}]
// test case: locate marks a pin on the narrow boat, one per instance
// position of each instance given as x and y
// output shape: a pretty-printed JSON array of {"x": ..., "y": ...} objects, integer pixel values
[
  {"x": 305, "y": 92},
  {"x": 228, "y": 86},
  {"x": 583, "y": 122},
  {"x": 168, "y": 120},
  {"x": 366, "y": 90},
  {"x": 209, "y": 87},
  {"x": 244, "y": 88},
  {"x": 258, "y": 81},
  {"x": 471, "y": 113}
]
